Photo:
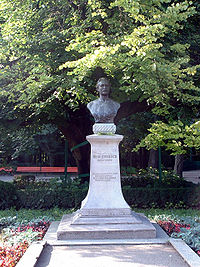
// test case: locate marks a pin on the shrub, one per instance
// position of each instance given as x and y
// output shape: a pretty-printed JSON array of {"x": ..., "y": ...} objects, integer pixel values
[
  {"x": 22, "y": 181},
  {"x": 63, "y": 196},
  {"x": 142, "y": 191},
  {"x": 71, "y": 197},
  {"x": 150, "y": 178},
  {"x": 128, "y": 171},
  {"x": 8, "y": 195},
  {"x": 162, "y": 197},
  {"x": 35, "y": 198}
]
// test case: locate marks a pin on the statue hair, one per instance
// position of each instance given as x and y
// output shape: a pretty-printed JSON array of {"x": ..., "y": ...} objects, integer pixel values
[{"x": 102, "y": 79}]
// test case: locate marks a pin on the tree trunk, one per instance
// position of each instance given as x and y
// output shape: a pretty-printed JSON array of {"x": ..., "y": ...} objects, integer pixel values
[
  {"x": 153, "y": 159},
  {"x": 178, "y": 165},
  {"x": 51, "y": 159},
  {"x": 75, "y": 135},
  {"x": 143, "y": 160}
]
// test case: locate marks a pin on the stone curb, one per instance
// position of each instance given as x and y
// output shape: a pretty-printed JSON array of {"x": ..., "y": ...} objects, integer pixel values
[
  {"x": 32, "y": 254},
  {"x": 189, "y": 256}
]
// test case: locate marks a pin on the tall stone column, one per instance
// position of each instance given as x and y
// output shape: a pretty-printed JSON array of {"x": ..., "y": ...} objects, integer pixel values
[{"x": 105, "y": 197}]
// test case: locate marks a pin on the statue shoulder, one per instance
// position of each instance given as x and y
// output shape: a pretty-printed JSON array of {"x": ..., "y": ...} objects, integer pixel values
[
  {"x": 116, "y": 104},
  {"x": 92, "y": 103}
]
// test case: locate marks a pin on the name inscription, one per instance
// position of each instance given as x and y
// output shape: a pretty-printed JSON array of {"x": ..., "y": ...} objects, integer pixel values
[{"x": 104, "y": 157}]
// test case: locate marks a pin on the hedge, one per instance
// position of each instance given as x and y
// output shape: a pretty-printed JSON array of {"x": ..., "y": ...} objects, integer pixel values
[
  {"x": 162, "y": 197},
  {"x": 71, "y": 196},
  {"x": 46, "y": 198},
  {"x": 136, "y": 197},
  {"x": 8, "y": 195}
]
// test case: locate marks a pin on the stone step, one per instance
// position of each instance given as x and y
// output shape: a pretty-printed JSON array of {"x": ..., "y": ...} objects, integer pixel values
[{"x": 195, "y": 173}]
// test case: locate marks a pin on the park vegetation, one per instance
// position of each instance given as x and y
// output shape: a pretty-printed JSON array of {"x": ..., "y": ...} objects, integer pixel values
[
  {"x": 144, "y": 189},
  {"x": 53, "y": 52}
]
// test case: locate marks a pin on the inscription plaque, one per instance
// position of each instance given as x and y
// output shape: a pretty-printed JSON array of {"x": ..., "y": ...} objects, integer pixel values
[{"x": 104, "y": 176}]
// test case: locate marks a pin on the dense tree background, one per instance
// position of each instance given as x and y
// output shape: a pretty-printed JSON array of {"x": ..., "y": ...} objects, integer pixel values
[{"x": 53, "y": 52}]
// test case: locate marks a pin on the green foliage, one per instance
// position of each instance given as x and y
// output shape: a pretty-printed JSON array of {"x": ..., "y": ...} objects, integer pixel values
[
  {"x": 147, "y": 197},
  {"x": 175, "y": 136},
  {"x": 141, "y": 190},
  {"x": 22, "y": 181},
  {"x": 155, "y": 214},
  {"x": 51, "y": 195},
  {"x": 150, "y": 178},
  {"x": 51, "y": 51},
  {"x": 128, "y": 171},
  {"x": 134, "y": 129},
  {"x": 8, "y": 196},
  {"x": 190, "y": 236},
  {"x": 18, "y": 142},
  {"x": 22, "y": 216},
  {"x": 144, "y": 189},
  {"x": 136, "y": 194}
]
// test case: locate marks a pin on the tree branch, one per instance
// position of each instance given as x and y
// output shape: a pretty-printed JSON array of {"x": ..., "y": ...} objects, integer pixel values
[
  {"x": 128, "y": 108},
  {"x": 72, "y": 4}
]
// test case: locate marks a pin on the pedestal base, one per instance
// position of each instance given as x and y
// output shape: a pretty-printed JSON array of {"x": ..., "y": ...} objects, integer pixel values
[
  {"x": 104, "y": 213},
  {"x": 134, "y": 226}
]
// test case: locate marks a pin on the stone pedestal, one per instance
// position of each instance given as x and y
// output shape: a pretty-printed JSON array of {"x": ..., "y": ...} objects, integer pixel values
[
  {"x": 104, "y": 196},
  {"x": 104, "y": 213}
]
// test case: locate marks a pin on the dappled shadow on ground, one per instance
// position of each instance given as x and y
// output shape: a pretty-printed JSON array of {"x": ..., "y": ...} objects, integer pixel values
[{"x": 111, "y": 255}]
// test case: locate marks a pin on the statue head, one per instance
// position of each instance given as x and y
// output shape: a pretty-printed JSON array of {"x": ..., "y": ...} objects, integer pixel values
[
  {"x": 103, "y": 109},
  {"x": 103, "y": 86}
]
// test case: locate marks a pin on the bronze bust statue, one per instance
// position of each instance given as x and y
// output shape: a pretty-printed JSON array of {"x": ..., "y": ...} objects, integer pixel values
[{"x": 103, "y": 109}]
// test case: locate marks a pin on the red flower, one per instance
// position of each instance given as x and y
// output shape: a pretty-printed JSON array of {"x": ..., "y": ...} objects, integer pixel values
[
  {"x": 9, "y": 256},
  {"x": 171, "y": 227}
]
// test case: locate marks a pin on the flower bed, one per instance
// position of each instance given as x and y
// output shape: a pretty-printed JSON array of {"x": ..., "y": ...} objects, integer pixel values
[
  {"x": 17, "y": 236},
  {"x": 188, "y": 229},
  {"x": 171, "y": 227},
  {"x": 9, "y": 256},
  {"x": 19, "y": 229}
]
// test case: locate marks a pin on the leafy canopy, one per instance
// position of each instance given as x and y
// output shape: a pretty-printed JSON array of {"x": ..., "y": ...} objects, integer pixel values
[
  {"x": 175, "y": 136},
  {"x": 51, "y": 51}
]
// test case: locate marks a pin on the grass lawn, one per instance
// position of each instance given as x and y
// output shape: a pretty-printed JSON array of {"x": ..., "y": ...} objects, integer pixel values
[
  {"x": 56, "y": 213},
  {"x": 152, "y": 213},
  {"x": 27, "y": 214}
]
